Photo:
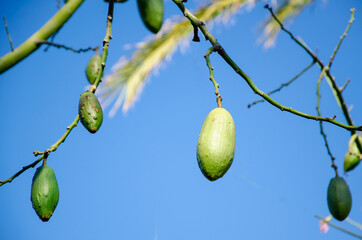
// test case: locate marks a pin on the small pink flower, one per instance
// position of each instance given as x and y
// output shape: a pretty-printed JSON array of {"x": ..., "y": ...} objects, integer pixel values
[{"x": 323, "y": 226}]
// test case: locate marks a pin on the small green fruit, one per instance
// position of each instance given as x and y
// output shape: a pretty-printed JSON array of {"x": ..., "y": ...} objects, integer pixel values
[
  {"x": 151, "y": 12},
  {"x": 339, "y": 198},
  {"x": 93, "y": 67},
  {"x": 352, "y": 157},
  {"x": 216, "y": 144},
  {"x": 44, "y": 192},
  {"x": 90, "y": 112}
]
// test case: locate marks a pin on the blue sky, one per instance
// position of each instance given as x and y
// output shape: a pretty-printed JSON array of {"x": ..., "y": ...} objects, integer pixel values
[{"x": 138, "y": 178}]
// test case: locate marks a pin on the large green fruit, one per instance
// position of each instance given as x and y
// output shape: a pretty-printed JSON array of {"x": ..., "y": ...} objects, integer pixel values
[
  {"x": 352, "y": 157},
  {"x": 93, "y": 67},
  {"x": 339, "y": 198},
  {"x": 216, "y": 145},
  {"x": 90, "y": 112},
  {"x": 44, "y": 192},
  {"x": 151, "y": 12}
]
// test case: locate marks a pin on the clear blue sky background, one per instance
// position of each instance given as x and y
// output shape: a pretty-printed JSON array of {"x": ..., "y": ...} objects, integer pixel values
[{"x": 138, "y": 177}]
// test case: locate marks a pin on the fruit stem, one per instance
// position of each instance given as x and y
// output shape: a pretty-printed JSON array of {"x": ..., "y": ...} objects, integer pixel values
[{"x": 212, "y": 79}]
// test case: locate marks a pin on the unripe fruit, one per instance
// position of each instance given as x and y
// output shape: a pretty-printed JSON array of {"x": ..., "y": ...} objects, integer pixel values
[
  {"x": 151, "y": 12},
  {"x": 339, "y": 198},
  {"x": 352, "y": 157},
  {"x": 216, "y": 144},
  {"x": 90, "y": 112},
  {"x": 93, "y": 67},
  {"x": 44, "y": 192}
]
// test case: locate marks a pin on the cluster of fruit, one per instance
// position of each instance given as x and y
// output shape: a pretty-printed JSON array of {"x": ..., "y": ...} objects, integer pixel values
[
  {"x": 44, "y": 189},
  {"x": 215, "y": 146}
]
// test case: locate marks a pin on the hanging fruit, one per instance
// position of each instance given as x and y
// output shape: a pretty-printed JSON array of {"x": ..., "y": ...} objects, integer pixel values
[
  {"x": 151, "y": 12},
  {"x": 353, "y": 155},
  {"x": 216, "y": 144},
  {"x": 339, "y": 198},
  {"x": 93, "y": 67},
  {"x": 90, "y": 112},
  {"x": 44, "y": 192}
]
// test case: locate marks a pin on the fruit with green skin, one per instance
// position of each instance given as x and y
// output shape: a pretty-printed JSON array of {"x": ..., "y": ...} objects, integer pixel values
[
  {"x": 151, "y": 12},
  {"x": 339, "y": 198},
  {"x": 352, "y": 157},
  {"x": 44, "y": 192},
  {"x": 90, "y": 112},
  {"x": 93, "y": 67},
  {"x": 216, "y": 144}
]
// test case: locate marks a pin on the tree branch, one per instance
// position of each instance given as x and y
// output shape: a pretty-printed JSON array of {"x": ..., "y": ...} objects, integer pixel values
[
  {"x": 41, "y": 42},
  {"x": 339, "y": 228},
  {"x": 330, "y": 79},
  {"x": 321, "y": 123},
  {"x": 251, "y": 84},
  {"x": 283, "y": 85},
  {"x": 7, "y": 33},
  {"x": 55, "y": 23},
  {"x": 55, "y": 146},
  {"x": 212, "y": 79}
]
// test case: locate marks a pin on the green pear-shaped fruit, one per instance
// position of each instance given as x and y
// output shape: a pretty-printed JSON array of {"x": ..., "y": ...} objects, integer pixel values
[
  {"x": 90, "y": 112},
  {"x": 93, "y": 67},
  {"x": 339, "y": 198},
  {"x": 44, "y": 192},
  {"x": 151, "y": 12},
  {"x": 216, "y": 144},
  {"x": 352, "y": 157}
]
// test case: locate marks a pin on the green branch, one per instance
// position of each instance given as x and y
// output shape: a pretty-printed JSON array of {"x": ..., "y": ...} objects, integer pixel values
[
  {"x": 283, "y": 85},
  {"x": 54, "y": 24},
  {"x": 334, "y": 166},
  {"x": 212, "y": 79},
  {"x": 251, "y": 84},
  {"x": 330, "y": 79},
  {"x": 55, "y": 146}
]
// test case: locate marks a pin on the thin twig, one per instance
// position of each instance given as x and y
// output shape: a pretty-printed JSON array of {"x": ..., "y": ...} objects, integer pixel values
[
  {"x": 321, "y": 123},
  {"x": 26, "y": 48},
  {"x": 93, "y": 88},
  {"x": 7, "y": 32},
  {"x": 51, "y": 40},
  {"x": 341, "y": 38},
  {"x": 40, "y": 42},
  {"x": 248, "y": 80},
  {"x": 283, "y": 84},
  {"x": 345, "y": 85},
  {"x": 339, "y": 228},
  {"x": 212, "y": 79},
  {"x": 331, "y": 80}
]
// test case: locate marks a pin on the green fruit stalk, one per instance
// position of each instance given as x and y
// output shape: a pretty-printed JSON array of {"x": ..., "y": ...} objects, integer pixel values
[
  {"x": 216, "y": 144},
  {"x": 339, "y": 198},
  {"x": 90, "y": 112},
  {"x": 93, "y": 67},
  {"x": 44, "y": 192},
  {"x": 352, "y": 157},
  {"x": 151, "y": 12}
]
